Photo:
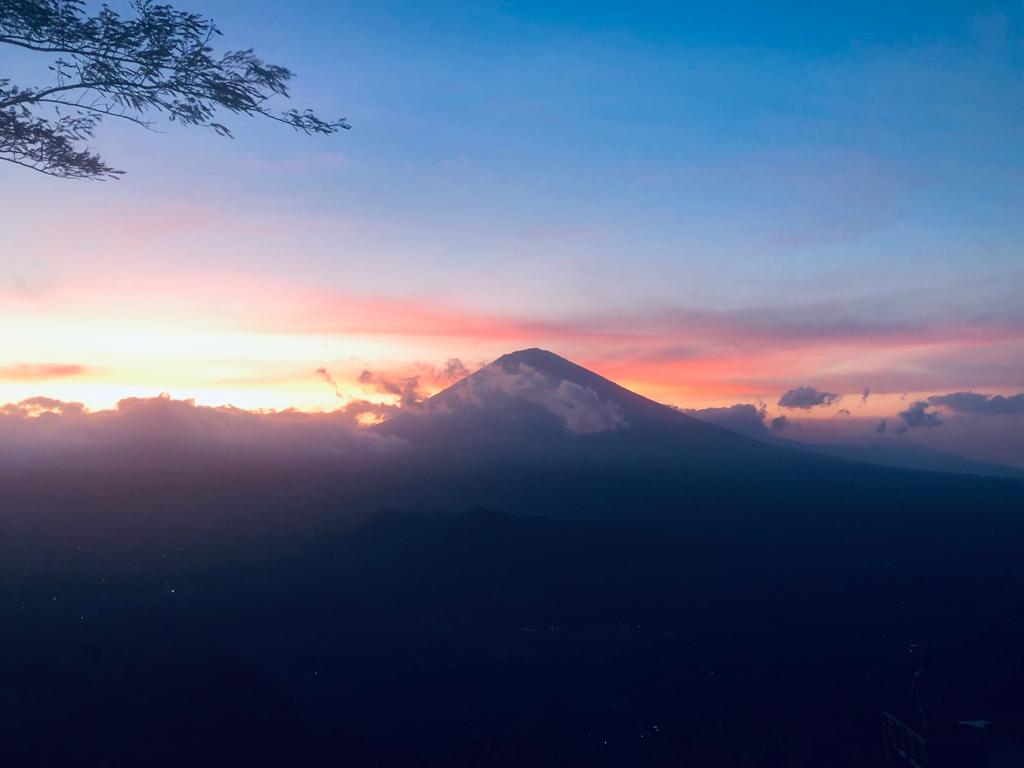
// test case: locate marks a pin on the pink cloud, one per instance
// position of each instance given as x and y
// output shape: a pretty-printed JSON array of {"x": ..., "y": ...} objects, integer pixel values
[{"x": 38, "y": 371}]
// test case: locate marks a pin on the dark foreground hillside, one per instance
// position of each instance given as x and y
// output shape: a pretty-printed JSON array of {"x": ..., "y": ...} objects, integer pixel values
[{"x": 488, "y": 639}]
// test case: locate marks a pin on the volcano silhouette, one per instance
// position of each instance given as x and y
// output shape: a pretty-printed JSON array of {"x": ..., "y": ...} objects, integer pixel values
[{"x": 533, "y": 404}]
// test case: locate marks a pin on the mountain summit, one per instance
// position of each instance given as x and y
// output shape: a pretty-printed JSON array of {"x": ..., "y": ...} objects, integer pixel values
[
  {"x": 636, "y": 409},
  {"x": 549, "y": 364},
  {"x": 536, "y": 402}
]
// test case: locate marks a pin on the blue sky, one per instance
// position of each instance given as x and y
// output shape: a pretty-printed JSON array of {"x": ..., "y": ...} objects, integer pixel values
[{"x": 641, "y": 144}]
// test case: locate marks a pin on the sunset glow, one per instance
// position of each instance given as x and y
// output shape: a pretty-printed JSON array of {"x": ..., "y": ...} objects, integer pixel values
[
  {"x": 698, "y": 256},
  {"x": 257, "y": 343}
]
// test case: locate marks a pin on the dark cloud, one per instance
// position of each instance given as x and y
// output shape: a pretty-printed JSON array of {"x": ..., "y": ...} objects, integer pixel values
[
  {"x": 974, "y": 403},
  {"x": 744, "y": 418},
  {"x": 362, "y": 410},
  {"x": 454, "y": 370},
  {"x": 807, "y": 397},
  {"x": 330, "y": 380},
  {"x": 864, "y": 397},
  {"x": 880, "y": 427},
  {"x": 843, "y": 412},
  {"x": 406, "y": 389},
  {"x": 412, "y": 389},
  {"x": 36, "y": 371},
  {"x": 918, "y": 415}
]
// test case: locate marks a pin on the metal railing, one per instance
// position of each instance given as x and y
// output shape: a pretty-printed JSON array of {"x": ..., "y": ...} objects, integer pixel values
[{"x": 905, "y": 746}]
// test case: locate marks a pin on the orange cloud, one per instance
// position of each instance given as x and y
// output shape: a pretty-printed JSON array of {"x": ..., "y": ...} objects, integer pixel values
[{"x": 38, "y": 371}]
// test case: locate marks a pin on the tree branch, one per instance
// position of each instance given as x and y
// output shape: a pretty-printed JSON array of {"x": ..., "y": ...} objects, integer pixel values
[{"x": 159, "y": 60}]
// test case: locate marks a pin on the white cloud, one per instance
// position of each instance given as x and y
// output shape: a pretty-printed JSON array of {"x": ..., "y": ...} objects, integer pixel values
[{"x": 579, "y": 408}]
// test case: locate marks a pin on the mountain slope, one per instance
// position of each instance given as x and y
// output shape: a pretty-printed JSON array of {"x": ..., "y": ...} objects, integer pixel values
[
  {"x": 534, "y": 433},
  {"x": 535, "y": 402}
]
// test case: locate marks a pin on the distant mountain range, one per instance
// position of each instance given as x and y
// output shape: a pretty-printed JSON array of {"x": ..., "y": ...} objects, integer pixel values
[{"x": 909, "y": 455}]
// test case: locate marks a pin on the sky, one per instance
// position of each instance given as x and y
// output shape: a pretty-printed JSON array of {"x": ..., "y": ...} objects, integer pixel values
[{"x": 710, "y": 203}]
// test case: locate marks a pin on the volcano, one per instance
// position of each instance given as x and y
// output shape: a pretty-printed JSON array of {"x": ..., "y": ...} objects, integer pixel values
[
  {"x": 534, "y": 432},
  {"x": 533, "y": 402}
]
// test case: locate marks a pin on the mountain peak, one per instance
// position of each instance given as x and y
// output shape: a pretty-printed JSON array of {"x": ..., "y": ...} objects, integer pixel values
[
  {"x": 545, "y": 362},
  {"x": 535, "y": 357},
  {"x": 538, "y": 403}
]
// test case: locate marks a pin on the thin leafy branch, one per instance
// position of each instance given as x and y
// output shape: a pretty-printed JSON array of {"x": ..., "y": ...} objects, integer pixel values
[{"x": 157, "y": 62}]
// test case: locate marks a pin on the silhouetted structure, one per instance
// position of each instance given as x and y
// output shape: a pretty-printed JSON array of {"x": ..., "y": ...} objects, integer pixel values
[{"x": 952, "y": 741}]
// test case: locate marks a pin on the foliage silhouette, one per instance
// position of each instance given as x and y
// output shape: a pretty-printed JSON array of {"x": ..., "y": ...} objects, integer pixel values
[{"x": 158, "y": 61}]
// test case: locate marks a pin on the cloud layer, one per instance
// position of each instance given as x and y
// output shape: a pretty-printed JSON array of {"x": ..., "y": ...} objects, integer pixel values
[
  {"x": 806, "y": 398},
  {"x": 974, "y": 403},
  {"x": 579, "y": 409},
  {"x": 162, "y": 429},
  {"x": 40, "y": 371},
  {"x": 744, "y": 418},
  {"x": 918, "y": 415},
  {"x": 414, "y": 384}
]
